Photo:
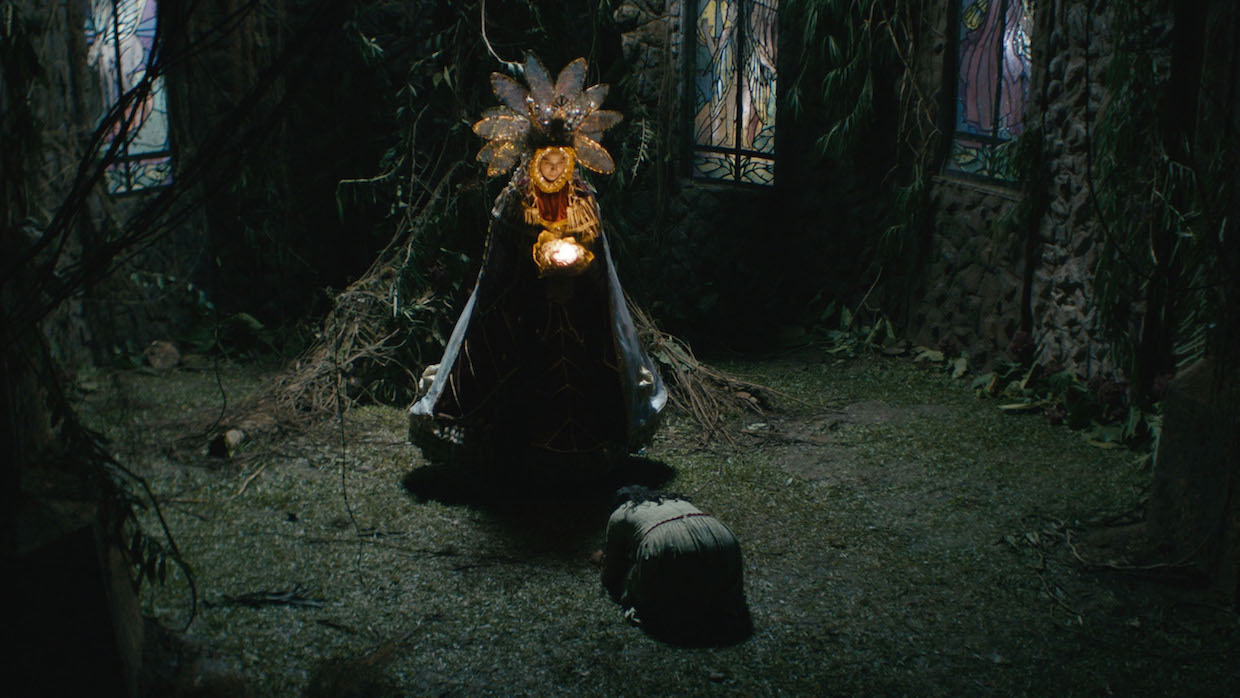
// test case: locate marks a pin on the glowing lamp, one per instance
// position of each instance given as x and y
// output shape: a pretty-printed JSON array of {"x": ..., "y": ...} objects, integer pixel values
[{"x": 560, "y": 255}]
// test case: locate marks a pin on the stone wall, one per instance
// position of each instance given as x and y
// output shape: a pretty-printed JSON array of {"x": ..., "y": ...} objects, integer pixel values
[
  {"x": 994, "y": 259},
  {"x": 965, "y": 287},
  {"x": 1065, "y": 322},
  {"x": 978, "y": 270},
  {"x": 971, "y": 295},
  {"x": 118, "y": 315},
  {"x": 651, "y": 38},
  {"x": 699, "y": 252},
  {"x": 42, "y": 167}
]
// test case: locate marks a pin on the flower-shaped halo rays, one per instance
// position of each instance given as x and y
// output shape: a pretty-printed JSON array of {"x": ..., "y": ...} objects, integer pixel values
[{"x": 546, "y": 114}]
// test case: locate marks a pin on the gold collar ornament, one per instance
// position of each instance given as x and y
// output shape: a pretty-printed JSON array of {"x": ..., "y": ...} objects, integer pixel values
[{"x": 546, "y": 114}]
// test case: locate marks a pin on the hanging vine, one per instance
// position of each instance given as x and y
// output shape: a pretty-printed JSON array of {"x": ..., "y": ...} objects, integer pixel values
[
  {"x": 1161, "y": 198},
  {"x": 854, "y": 50}
]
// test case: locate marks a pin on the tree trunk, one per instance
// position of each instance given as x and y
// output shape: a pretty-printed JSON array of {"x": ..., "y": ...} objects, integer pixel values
[{"x": 1194, "y": 509}]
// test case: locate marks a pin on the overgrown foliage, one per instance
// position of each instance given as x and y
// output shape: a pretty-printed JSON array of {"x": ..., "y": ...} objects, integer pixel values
[
  {"x": 862, "y": 71},
  {"x": 1164, "y": 186},
  {"x": 1097, "y": 408},
  {"x": 57, "y": 238}
]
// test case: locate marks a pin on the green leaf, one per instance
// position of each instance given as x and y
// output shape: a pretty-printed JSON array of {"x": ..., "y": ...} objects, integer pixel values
[
  {"x": 1016, "y": 407},
  {"x": 1105, "y": 435},
  {"x": 826, "y": 314},
  {"x": 959, "y": 366},
  {"x": 1024, "y": 382},
  {"x": 248, "y": 320},
  {"x": 1136, "y": 419},
  {"x": 983, "y": 382},
  {"x": 1102, "y": 444},
  {"x": 1013, "y": 390}
]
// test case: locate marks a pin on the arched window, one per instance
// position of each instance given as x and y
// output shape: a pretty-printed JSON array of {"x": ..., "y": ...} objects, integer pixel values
[
  {"x": 992, "y": 85},
  {"x": 121, "y": 35},
  {"x": 734, "y": 90}
]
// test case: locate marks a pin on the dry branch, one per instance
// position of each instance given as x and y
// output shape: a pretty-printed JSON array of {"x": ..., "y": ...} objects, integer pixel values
[{"x": 707, "y": 395}]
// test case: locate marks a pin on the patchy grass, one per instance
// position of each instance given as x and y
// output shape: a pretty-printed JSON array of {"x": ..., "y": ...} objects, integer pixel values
[{"x": 900, "y": 537}]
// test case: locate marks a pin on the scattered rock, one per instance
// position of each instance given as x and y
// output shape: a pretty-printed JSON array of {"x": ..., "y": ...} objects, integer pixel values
[
  {"x": 224, "y": 445},
  {"x": 162, "y": 355}
]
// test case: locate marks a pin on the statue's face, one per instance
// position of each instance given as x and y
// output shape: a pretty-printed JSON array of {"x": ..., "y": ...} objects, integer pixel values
[{"x": 552, "y": 165}]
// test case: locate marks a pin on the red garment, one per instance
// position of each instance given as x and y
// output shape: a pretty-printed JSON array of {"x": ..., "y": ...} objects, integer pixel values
[{"x": 554, "y": 206}]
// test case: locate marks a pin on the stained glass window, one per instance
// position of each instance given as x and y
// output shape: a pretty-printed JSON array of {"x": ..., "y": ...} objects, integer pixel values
[
  {"x": 992, "y": 86},
  {"x": 120, "y": 35},
  {"x": 734, "y": 90}
]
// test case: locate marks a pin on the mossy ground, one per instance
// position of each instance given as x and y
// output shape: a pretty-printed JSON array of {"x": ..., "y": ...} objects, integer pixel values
[{"x": 900, "y": 536}]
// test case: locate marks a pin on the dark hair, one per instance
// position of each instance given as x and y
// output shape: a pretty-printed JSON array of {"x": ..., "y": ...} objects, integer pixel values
[{"x": 637, "y": 494}]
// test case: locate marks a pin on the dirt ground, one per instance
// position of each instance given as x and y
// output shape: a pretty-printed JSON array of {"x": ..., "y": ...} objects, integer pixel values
[{"x": 901, "y": 537}]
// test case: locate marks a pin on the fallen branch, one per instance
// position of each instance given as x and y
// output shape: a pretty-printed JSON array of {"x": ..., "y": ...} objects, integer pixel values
[
  {"x": 257, "y": 599},
  {"x": 707, "y": 395},
  {"x": 246, "y": 484}
]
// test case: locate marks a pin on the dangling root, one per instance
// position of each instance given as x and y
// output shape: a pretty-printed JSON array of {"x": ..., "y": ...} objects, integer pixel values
[
  {"x": 363, "y": 343},
  {"x": 707, "y": 395}
]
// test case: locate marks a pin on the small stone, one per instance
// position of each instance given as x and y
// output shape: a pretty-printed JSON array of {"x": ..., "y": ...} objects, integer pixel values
[
  {"x": 224, "y": 445},
  {"x": 162, "y": 355}
]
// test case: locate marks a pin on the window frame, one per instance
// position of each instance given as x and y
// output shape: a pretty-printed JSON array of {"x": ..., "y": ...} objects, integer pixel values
[
  {"x": 992, "y": 142},
  {"x": 122, "y": 176},
  {"x": 735, "y": 153}
]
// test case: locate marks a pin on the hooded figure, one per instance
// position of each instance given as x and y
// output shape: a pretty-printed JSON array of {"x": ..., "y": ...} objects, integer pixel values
[
  {"x": 676, "y": 569},
  {"x": 544, "y": 365}
]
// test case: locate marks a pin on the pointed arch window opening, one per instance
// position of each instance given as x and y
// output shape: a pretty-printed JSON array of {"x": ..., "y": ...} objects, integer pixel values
[
  {"x": 120, "y": 38},
  {"x": 733, "y": 84},
  {"x": 992, "y": 86}
]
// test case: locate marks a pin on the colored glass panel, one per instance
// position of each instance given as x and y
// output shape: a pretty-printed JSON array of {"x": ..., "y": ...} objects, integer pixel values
[
  {"x": 715, "y": 82},
  {"x": 713, "y": 166},
  {"x": 755, "y": 170},
  {"x": 734, "y": 89},
  {"x": 992, "y": 86},
  {"x": 120, "y": 35}
]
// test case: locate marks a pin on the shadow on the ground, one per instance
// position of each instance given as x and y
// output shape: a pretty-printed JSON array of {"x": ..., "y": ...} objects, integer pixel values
[
  {"x": 489, "y": 486},
  {"x": 718, "y": 630},
  {"x": 537, "y": 507}
]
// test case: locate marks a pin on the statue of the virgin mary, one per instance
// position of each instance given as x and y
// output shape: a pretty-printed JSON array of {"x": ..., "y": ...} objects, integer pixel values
[{"x": 544, "y": 366}]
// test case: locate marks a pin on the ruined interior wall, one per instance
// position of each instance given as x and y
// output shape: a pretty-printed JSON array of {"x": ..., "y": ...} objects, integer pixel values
[
  {"x": 700, "y": 244},
  {"x": 994, "y": 258},
  {"x": 727, "y": 265},
  {"x": 651, "y": 39},
  {"x": 976, "y": 267},
  {"x": 1066, "y": 327},
  {"x": 119, "y": 315},
  {"x": 966, "y": 294},
  {"x": 65, "y": 88}
]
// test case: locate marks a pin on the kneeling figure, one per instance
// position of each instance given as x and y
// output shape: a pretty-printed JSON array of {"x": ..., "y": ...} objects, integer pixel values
[{"x": 677, "y": 569}]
